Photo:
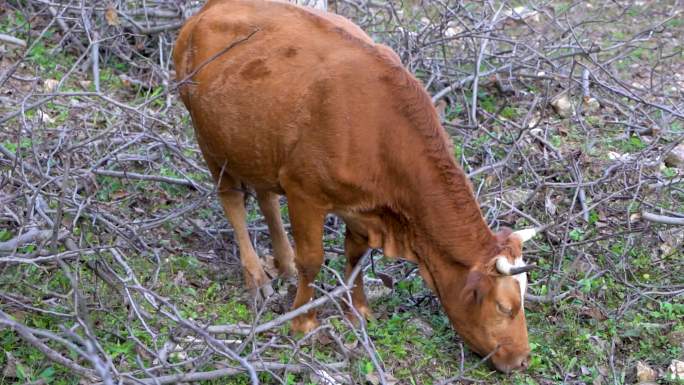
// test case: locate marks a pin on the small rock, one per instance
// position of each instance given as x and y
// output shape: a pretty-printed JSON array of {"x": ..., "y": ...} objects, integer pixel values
[
  {"x": 590, "y": 105},
  {"x": 672, "y": 241},
  {"x": 534, "y": 121},
  {"x": 644, "y": 372},
  {"x": 453, "y": 29},
  {"x": 45, "y": 118},
  {"x": 179, "y": 355},
  {"x": 676, "y": 370},
  {"x": 612, "y": 155},
  {"x": 516, "y": 196},
  {"x": 536, "y": 131},
  {"x": 675, "y": 158},
  {"x": 85, "y": 84},
  {"x": 424, "y": 327},
  {"x": 563, "y": 106},
  {"x": 521, "y": 13},
  {"x": 676, "y": 338},
  {"x": 49, "y": 85}
]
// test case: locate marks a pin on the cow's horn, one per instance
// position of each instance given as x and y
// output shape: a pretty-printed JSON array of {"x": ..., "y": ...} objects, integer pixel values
[
  {"x": 526, "y": 234},
  {"x": 522, "y": 269},
  {"x": 504, "y": 267}
]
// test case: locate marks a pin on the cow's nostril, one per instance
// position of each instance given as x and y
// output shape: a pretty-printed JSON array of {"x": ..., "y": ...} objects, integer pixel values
[{"x": 525, "y": 362}]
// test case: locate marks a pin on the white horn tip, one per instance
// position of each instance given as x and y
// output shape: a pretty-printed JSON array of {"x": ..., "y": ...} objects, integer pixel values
[{"x": 526, "y": 234}]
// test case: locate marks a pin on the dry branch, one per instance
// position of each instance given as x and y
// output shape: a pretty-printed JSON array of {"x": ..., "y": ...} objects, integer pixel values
[
  {"x": 666, "y": 220},
  {"x": 155, "y": 178},
  {"x": 12, "y": 40},
  {"x": 32, "y": 236},
  {"x": 219, "y": 373}
]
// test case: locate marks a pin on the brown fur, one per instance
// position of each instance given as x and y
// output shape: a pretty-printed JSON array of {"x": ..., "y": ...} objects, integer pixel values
[{"x": 311, "y": 108}]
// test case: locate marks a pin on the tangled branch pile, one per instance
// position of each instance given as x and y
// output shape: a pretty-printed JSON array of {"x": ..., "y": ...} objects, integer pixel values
[{"x": 568, "y": 117}]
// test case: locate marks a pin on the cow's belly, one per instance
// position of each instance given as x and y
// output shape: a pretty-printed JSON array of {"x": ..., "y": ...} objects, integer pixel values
[{"x": 381, "y": 233}]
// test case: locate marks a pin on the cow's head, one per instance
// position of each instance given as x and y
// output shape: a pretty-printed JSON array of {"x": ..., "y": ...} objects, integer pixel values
[{"x": 487, "y": 311}]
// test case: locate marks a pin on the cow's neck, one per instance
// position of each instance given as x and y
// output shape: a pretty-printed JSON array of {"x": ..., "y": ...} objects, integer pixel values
[
  {"x": 447, "y": 223},
  {"x": 448, "y": 234},
  {"x": 427, "y": 183}
]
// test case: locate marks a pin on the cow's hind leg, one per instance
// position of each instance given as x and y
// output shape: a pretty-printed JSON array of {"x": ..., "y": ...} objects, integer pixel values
[
  {"x": 282, "y": 250},
  {"x": 233, "y": 201},
  {"x": 355, "y": 246}
]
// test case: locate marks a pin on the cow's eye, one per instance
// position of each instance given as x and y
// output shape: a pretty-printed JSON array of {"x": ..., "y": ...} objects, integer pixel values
[{"x": 504, "y": 310}]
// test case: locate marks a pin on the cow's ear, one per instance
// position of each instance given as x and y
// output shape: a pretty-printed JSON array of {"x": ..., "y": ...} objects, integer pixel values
[{"x": 478, "y": 285}]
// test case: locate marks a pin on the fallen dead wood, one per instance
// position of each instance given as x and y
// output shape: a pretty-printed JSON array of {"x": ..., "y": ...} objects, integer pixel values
[
  {"x": 227, "y": 372},
  {"x": 34, "y": 235},
  {"x": 12, "y": 40},
  {"x": 663, "y": 219}
]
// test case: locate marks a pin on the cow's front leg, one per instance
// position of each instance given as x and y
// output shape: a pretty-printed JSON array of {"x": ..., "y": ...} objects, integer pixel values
[
  {"x": 355, "y": 246},
  {"x": 307, "y": 230}
]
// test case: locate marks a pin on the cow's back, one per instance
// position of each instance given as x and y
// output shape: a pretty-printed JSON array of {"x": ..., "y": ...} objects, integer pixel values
[{"x": 298, "y": 88}]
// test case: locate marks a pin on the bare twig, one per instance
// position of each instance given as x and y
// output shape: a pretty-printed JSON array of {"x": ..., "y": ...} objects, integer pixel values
[
  {"x": 12, "y": 40},
  {"x": 666, "y": 220}
]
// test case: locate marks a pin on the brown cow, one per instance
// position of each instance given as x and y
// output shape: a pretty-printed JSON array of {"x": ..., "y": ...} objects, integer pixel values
[{"x": 294, "y": 101}]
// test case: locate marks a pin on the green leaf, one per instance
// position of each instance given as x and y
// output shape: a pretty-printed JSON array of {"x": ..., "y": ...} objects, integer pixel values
[
  {"x": 48, "y": 374},
  {"x": 368, "y": 368},
  {"x": 5, "y": 235},
  {"x": 21, "y": 371},
  {"x": 576, "y": 234}
]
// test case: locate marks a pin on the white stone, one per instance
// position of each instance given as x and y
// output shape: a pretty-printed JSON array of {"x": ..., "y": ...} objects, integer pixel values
[
  {"x": 590, "y": 105},
  {"x": 675, "y": 158},
  {"x": 50, "y": 85},
  {"x": 676, "y": 370},
  {"x": 644, "y": 372},
  {"x": 563, "y": 106}
]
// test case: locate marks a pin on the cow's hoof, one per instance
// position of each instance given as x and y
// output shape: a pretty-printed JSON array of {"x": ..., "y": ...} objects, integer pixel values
[
  {"x": 304, "y": 325},
  {"x": 364, "y": 311},
  {"x": 259, "y": 286},
  {"x": 262, "y": 293},
  {"x": 287, "y": 271},
  {"x": 279, "y": 266}
]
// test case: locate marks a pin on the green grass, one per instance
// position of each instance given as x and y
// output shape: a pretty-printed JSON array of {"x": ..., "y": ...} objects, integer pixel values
[{"x": 572, "y": 334}]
